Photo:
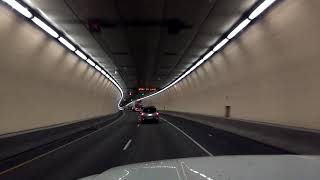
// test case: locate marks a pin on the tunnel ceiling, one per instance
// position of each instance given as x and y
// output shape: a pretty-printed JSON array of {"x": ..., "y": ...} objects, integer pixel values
[{"x": 144, "y": 43}]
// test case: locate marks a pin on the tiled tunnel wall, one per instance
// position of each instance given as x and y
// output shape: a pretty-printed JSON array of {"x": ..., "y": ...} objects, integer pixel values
[
  {"x": 42, "y": 83},
  {"x": 270, "y": 73}
]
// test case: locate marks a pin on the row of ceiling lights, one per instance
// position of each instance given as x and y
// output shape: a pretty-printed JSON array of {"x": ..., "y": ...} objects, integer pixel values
[
  {"x": 255, "y": 13},
  {"x": 24, "y": 10}
]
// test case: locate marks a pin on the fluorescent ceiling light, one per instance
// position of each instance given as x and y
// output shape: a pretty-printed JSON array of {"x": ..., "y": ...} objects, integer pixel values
[
  {"x": 17, "y": 6},
  {"x": 263, "y": 6},
  {"x": 236, "y": 30},
  {"x": 208, "y": 55},
  {"x": 81, "y": 55},
  {"x": 98, "y": 68},
  {"x": 89, "y": 61},
  {"x": 220, "y": 45},
  {"x": 67, "y": 43},
  {"x": 45, "y": 27}
]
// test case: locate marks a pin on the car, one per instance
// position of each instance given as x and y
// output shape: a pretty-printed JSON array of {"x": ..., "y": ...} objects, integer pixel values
[
  {"x": 136, "y": 109},
  {"x": 149, "y": 114},
  {"x": 137, "y": 106},
  {"x": 278, "y": 167}
]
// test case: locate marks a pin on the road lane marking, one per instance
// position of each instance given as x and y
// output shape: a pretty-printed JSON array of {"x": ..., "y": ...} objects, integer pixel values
[
  {"x": 60, "y": 147},
  {"x": 138, "y": 125},
  {"x": 127, "y": 145},
  {"x": 195, "y": 142},
  {"x": 209, "y": 134}
]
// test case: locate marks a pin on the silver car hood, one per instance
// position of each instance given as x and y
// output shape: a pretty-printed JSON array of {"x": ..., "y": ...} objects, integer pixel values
[{"x": 275, "y": 167}]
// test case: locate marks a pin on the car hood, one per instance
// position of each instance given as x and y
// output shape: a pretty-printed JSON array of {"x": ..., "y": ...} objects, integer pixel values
[{"x": 275, "y": 167}]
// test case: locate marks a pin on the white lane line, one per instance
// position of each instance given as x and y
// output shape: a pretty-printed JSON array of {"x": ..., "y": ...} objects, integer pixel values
[
  {"x": 138, "y": 125},
  {"x": 127, "y": 145},
  {"x": 60, "y": 147},
  {"x": 195, "y": 142},
  {"x": 209, "y": 134}
]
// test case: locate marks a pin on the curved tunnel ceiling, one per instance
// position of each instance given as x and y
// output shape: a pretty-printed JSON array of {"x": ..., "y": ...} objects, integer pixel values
[{"x": 145, "y": 43}]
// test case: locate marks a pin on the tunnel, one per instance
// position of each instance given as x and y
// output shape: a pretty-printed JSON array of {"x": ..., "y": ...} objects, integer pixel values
[{"x": 182, "y": 89}]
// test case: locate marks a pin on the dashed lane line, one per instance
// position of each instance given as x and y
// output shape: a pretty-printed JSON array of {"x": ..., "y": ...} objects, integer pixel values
[{"x": 127, "y": 145}]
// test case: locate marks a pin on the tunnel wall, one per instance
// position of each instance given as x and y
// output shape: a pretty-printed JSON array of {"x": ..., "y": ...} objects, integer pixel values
[
  {"x": 269, "y": 74},
  {"x": 42, "y": 83}
]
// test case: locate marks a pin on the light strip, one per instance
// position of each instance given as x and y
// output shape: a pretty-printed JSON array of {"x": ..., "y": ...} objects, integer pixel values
[
  {"x": 67, "y": 43},
  {"x": 207, "y": 56},
  {"x": 17, "y": 6},
  {"x": 236, "y": 30},
  {"x": 89, "y": 61},
  {"x": 220, "y": 45},
  {"x": 263, "y": 6},
  {"x": 81, "y": 55},
  {"x": 98, "y": 68},
  {"x": 45, "y": 27},
  {"x": 240, "y": 27},
  {"x": 108, "y": 76}
]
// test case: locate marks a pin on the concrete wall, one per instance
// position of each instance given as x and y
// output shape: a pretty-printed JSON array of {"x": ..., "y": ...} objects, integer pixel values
[
  {"x": 41, "y": 83},
  {"x": 271, "y": 73}
]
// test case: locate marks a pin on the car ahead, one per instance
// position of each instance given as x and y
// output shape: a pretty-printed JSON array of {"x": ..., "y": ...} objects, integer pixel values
[
  {"x": 136, "y": 109},
  {"x": 149, "y": 114}
]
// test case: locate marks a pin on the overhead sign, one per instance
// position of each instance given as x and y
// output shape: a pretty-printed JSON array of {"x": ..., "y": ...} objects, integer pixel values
[{"x": 146, "y": 89}]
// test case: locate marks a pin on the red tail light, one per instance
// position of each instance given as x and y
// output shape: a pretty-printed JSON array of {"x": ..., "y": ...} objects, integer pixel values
[
  {"x": 142, "y": 114},
  {"x": 157, "y": 113}
]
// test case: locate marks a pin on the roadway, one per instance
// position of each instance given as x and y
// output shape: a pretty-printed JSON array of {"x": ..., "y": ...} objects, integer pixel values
[{"x": 125, "y": 142}]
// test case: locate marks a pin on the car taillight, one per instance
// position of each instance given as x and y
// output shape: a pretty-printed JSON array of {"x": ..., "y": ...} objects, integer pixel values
[
  {"x": 142, "y": 114},
  {"x": 157, "y": 113}
]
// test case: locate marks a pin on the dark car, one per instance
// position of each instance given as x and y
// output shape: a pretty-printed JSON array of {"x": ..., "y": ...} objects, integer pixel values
[{"x": 149, "y": 114}]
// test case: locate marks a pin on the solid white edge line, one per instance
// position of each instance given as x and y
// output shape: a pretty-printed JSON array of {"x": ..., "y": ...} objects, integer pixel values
[
  {"x": 60, "y": 147},
  {"x": 127, "y": 145},
  {"x": 195, "y": 142}
]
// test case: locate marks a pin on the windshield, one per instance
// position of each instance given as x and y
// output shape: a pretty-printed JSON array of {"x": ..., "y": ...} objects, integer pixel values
[
  {"x": 90, "y": 85},
  {"x": 149, "y": 110}
]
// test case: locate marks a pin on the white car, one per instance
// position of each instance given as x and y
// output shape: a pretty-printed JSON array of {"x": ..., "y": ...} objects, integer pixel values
[{"x": 267, "y": 167}]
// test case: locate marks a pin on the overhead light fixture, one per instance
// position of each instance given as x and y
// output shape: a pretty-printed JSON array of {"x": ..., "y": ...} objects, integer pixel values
[
  {"x": 81, "y": 55},
  {"x": 45, "y": 27},
  {"x": 17, "y": 6},
  {"x": 98, "y": 68},
  {"x": 263, "y": 6},
  {"x": 89, "y": 61},
  {"x": 67, "y": 43},
  {"x": 220, "y": 45},
  {"x": 207, "y": 56},
  {"x": 236, "y": 30}
]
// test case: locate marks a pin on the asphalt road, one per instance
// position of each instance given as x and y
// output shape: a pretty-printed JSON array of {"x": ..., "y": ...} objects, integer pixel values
[{"x": 125, "y": 142}]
